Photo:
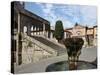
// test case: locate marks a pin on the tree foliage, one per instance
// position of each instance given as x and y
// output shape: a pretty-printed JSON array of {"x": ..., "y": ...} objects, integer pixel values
[
  {"x": 73, "y": 45},
  {"x": 59, "y": 31}
]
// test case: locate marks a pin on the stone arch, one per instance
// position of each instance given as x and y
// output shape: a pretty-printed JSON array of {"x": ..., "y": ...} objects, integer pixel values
[
  {"x": 25, "y": 29},
  {"x": 35, "y": 28},
  {"x": 32, "y": 29},
  {"x": 38, "y": 29}
]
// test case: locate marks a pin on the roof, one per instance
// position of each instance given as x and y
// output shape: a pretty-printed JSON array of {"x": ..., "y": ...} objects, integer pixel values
[
  {"x": 67, "y": 31},
  {"x": 20, "y": 9},
  {"x": 68, "y": 28}
]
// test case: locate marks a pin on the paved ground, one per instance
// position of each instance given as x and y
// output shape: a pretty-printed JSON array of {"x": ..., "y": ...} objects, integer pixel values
[{"x": 88, "y": 54}]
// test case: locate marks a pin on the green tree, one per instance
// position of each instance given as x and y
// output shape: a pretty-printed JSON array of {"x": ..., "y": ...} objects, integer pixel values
[{"x": 59, "y": 31}]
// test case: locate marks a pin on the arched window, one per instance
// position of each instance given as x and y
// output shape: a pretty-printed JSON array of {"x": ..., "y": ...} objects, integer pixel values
[{"x": 24, "y": 29}]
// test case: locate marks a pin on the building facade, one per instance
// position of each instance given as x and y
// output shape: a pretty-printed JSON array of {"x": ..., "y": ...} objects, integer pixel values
[
  {"x": 89, "y": 34},
  {"x": 32, "y": 46},
  {"x": 22, "y": 21}
]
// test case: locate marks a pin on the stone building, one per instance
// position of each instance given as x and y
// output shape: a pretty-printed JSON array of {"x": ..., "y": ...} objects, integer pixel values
[
  {"x": 25, "y": 22},
  {"x": 89, "y": 34},
  {"x": 30, "y": 37}
]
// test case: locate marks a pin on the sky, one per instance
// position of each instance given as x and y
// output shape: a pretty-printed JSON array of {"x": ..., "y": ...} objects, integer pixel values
[{"x": 69, "y": 14}]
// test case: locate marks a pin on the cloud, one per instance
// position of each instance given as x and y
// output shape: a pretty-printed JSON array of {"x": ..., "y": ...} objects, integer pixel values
[
  {"x": 86, "y": 15},
  {"x": 67, "y": 24},
  {"x": 48, "y": 8},
  {"x": 89, "y": 15},
  {"x": 49, "y": 12},
  {"x": 69, "y": 14}
]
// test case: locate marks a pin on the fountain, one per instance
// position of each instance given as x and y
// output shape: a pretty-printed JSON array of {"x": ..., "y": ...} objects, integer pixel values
[{"x": 73, "y": 47}]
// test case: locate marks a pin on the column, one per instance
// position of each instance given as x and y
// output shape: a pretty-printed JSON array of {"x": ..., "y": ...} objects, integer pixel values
[
  {"x": 29, "y": 29},
  {"x": 18, "y": 39},
  {"x": 47, "y": 34},
  {"x": 38, "y": 30},
  {"x": 34, "y": 30},
  {"x": 43, "y": 29}
]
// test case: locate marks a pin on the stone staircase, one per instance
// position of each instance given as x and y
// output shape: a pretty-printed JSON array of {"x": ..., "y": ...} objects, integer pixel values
[
  {"x": 39, "y": 43},
  {"x": 60, "y": 49},
  {"x": 36, "y": 51},
  {"x": 52, "y": 40},
  {"x": 37, "y": 48}
]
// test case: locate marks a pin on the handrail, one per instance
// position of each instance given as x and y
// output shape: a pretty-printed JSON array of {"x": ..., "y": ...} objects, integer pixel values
[{"x": 51, "y": 41}]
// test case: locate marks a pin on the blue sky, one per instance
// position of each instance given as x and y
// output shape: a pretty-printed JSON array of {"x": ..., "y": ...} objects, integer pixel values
[{"x": 68, "y": 14}]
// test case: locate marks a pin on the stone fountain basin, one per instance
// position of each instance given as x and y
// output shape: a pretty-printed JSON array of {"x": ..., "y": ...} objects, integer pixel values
[{"x": 63, "y": 66}]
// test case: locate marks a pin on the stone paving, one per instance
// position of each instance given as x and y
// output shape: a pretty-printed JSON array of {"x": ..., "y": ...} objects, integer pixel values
[{"x": 88, "y": 54}]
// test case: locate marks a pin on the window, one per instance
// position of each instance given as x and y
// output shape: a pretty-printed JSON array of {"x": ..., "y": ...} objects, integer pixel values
[{"x": 78, "y": 33}]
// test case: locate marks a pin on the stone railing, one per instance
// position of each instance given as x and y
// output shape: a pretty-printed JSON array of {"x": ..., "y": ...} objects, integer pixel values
[
  {"x": 51, "y": 41},
  {"x": 33, "y": 50}
]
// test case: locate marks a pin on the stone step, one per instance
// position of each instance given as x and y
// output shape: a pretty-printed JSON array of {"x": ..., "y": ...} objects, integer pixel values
[{"x": 59, "y": 49}]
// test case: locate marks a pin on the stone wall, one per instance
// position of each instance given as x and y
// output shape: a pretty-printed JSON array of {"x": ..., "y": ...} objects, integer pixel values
[{"x": 33, "y": 52}]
